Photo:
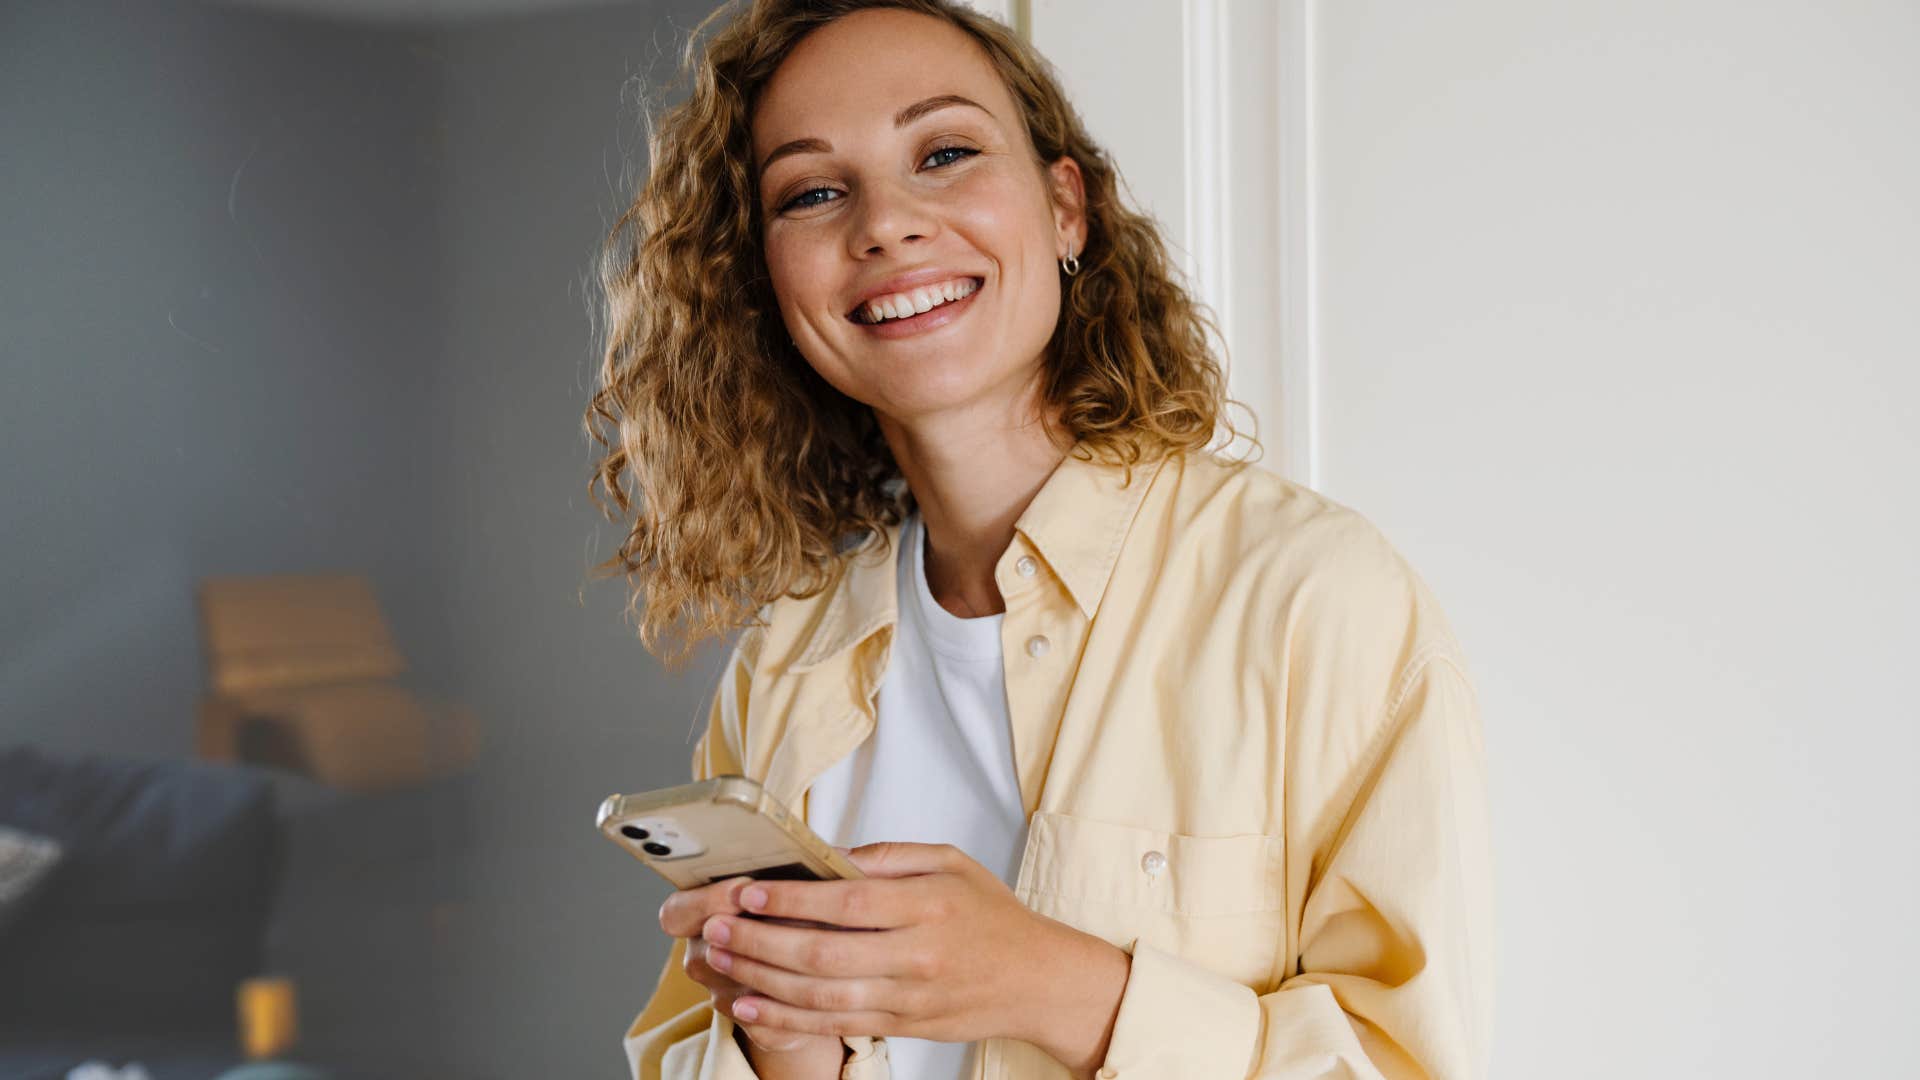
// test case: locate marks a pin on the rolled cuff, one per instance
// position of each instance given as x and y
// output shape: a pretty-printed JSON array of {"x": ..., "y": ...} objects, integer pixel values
[{"x": 1180, "y": 1021}]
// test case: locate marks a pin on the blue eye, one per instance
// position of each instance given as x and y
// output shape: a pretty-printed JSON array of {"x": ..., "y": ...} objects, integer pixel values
[
  {"x": 795, "y": 201},
  {"x": 805, "y": 200},
  {"x": 967, "y": 150}
]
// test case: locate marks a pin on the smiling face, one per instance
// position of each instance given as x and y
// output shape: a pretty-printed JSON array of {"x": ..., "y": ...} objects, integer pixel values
[{"x": 892, "y": 150}]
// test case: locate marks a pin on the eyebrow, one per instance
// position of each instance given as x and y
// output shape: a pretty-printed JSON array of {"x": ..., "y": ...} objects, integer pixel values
[{"x": 901, "y": 119}]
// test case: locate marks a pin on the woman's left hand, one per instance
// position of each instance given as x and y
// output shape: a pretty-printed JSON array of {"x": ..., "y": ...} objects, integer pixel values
[{"x": 949, "y": 953}]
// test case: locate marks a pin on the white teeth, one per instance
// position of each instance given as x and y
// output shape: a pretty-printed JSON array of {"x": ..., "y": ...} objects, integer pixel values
[{"x": 918, "y": 301}]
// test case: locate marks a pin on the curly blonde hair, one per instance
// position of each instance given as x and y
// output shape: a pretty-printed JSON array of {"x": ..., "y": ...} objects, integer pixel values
[{"x": 740, "y": 473}]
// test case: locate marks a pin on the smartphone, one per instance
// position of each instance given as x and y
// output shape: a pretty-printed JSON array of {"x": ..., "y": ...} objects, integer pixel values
[{"x": 729, "y": 826}]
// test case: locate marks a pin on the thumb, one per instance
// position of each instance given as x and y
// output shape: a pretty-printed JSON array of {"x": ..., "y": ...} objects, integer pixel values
[{"x": 901, "y": 858}]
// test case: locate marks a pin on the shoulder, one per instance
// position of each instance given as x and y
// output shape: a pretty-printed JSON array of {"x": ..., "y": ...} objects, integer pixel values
[{"x": 1336, "y": 587}]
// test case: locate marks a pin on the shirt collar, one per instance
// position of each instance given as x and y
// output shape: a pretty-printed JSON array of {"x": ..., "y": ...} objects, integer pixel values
[{"x": 1076, "y": 522}]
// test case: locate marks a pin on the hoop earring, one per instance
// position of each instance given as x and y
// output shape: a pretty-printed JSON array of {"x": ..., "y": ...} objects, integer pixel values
[{"x": 1070, "y": 264}]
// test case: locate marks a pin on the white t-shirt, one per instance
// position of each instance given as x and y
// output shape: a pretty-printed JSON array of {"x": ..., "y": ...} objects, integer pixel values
[{"x": 938, "y": 768}]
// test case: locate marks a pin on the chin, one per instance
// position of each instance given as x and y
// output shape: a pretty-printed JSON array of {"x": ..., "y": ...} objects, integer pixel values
[{"x": 923, "y": 400}]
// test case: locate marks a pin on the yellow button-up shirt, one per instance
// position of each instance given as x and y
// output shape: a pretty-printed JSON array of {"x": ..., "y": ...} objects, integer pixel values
[{"x": 1251, "y": 755}]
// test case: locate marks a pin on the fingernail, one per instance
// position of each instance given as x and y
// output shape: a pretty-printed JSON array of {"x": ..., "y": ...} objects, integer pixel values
[
  {"x": 744, "y": 1010},
  {"x": 754, "y": 898},
  {"x": 718, "y": 932},
  {"x": 721, "y": 959}
]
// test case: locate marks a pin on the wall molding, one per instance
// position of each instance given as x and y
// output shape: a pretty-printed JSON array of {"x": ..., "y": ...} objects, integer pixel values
[
  {"x": 1299, "y": 381},
  {"x": 1247, "y": 141},
  {"x": 1205, "y": 65}
]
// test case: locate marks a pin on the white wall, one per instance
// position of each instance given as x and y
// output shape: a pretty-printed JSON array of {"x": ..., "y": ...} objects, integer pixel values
[
  {"x": 1608, "y": 314},
  {"x": 1619, "y": 319}
]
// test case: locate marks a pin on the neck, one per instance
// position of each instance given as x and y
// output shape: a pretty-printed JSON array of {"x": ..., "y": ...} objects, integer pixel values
[{"x": 972, "y": 475}]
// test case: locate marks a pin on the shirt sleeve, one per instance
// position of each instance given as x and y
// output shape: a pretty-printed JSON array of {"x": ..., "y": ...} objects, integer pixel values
[
  {"x": 1396, "y": 976},
  {"x": 678, "y": 1034}
]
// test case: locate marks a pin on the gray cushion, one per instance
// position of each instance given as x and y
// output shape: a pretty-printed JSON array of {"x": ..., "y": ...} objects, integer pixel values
[
  {"x": 160, "y": 904},
  {"x": 142, "y": 833}
]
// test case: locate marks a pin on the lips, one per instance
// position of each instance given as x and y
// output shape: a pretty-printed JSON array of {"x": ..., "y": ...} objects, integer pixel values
[
  {"x": 906, "y": 307},
  {"x": 930, "y": 321},
  {"x": 908, "y": 283}
]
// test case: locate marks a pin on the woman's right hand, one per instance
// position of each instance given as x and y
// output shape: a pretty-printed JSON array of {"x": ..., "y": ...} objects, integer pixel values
[{"x": 684, "y": 915}]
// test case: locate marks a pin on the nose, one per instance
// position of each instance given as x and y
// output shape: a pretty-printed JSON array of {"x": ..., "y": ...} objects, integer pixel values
[{"x": 889, "y": 215}]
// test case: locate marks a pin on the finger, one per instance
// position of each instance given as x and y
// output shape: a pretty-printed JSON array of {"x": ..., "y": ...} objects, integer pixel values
[
  {"x": 900, "y": 858},
  {"x": 773, "y": 1038},
  {"x": 817, "y": 993},
  {"x": 770, "y": 1013},
  {"x": 775, "y": 920},
  {"x": 875, "y": 903},
  {"x": 834, "y": 952},
  {"x": 685, "y": 909},
  {"x": 768, "y": 1037},
  {"x": 699, "y": 967},
  {"x": 723, "y": 992}
]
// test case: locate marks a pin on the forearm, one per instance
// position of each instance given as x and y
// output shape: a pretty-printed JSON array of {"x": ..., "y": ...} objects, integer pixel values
[{"x": 1081, "y": 1001}]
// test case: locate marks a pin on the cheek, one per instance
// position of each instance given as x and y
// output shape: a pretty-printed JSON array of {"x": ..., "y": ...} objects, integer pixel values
[
  {"x": 1002, "y": 214},
  {"x": 1012, "y": 196},
  {"x": 790, "y": 255},
  {"x": 1009, "y": 222},
  {"x": 781, "y": 271}
]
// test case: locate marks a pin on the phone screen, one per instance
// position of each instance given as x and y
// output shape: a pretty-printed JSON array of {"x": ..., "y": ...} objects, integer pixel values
[
  {"x": 792, "y": 871},
  {"x": 783, "y": 872}
]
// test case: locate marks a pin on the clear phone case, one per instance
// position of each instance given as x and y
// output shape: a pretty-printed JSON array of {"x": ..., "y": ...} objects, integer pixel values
[{"x": 728, "y": 826}]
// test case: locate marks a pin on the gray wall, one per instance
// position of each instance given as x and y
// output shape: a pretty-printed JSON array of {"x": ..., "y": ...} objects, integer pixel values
[
  {"x": 219, "y": 325},
  {"x": 281, "y": 295},
  {"x": 563, "y": 938}
]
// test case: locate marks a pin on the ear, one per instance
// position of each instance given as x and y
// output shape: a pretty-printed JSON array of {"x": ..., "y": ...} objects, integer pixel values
[{"x": 1069, "y": 205}]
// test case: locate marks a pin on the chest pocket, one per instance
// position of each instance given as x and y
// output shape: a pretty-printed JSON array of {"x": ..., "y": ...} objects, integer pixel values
[{"x": 1215, "y": 900}]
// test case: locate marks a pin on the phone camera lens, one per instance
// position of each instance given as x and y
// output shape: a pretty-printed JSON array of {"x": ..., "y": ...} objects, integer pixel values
[
  {"x": 653, "y": 848},
  {"x": 634, "y": 831}
]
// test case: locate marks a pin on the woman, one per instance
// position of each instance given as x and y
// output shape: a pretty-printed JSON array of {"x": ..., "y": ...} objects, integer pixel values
[{"x": 1158, "y": 765}]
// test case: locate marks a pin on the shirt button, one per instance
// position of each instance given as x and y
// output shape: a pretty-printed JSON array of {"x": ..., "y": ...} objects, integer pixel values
[
  {"x": 1153, "y": 862},
  {"x": 1037, "y": 646},
  {"x": 1026, "y": 566}
]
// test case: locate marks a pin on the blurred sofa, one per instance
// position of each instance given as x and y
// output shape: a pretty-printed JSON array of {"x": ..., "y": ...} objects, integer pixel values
[{"x": 139, "y": 898}]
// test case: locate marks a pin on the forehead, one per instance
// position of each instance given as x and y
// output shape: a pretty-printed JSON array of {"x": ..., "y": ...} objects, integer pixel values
[{"x": 854, "y": 73}]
